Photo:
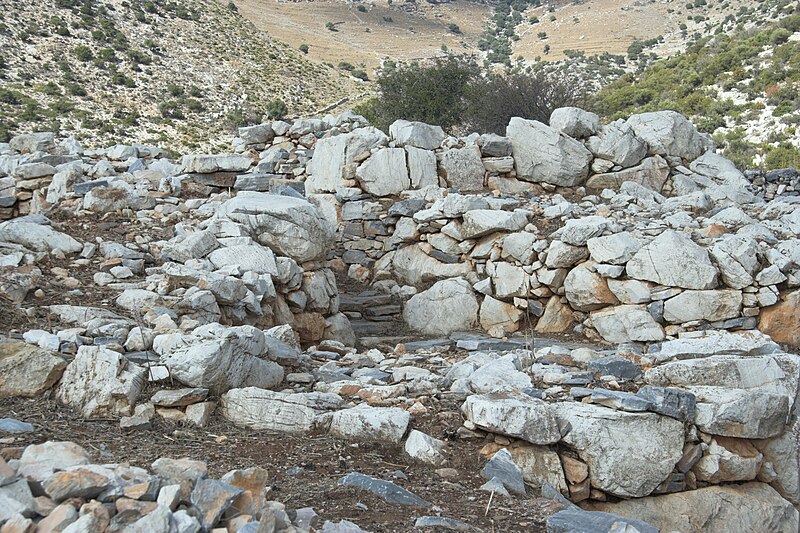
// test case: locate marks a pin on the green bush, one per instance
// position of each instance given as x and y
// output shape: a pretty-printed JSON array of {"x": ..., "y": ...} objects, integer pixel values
[
  {"x": 83, "y": 52},
  {"x": 330, "y": 26},
  {"x": 433, "y": 92},
  {"x": 303, "y": 48},
  {"x": 453, "y": 28},
  {"x": 277, "y": 109},
  {"x": 362, "y": 8}
]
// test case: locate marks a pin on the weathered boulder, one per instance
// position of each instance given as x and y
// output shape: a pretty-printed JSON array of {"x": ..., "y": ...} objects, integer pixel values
[
  {"x": 382, "y": 424},
  {"x": 628, "y": 454},
  {"x": 513, "y": 414},
  {"x": 499, "y": 318},
  {"x": 480, "y": 222},
  {"x": 462, "y": 168},
  {"x": 574, "y": 122},
  {"x": 33, "y": 142},
  {"x": 668, "y": 133},
  {"x": 543, "y": 154},
  {"x": 651, "y": 173},
  {"x": 449, "y": 305},
  {"x": 27, "y": 370},
  {"x": 218, "y": 358},
  {"x": 782, "y": 321},
  {"x": 101, "y": 382},
  {"x": 248, "y": 257},
  {"x": 672, "y": 259},
  {"x": 385, "y": 173},
  {"x": 412, "y": 266},
  {"x": 416, "y": 134},
  {"x": 290, "y": 226},
  {"x": 626, "y": 323},
  {"x": 38, "y": 237},
  {"x": 586, "y": 290},
  {"x": 617, "y": 142},
  {"x": 422, "y": 171},
  {"x": 194, "y": 245},
  {"x": 752, "y": 507},
  {"x": 746, "y": 414},
  {"x": 265, "y": 410},
  {"x": 736, "y": 257},
  {"x": 335, "y": 158},
  {"x": 208, "y": 164},
  {"x": 703, "y": 305},
  {"x": 715, "y": 342},
  {"x": 425, "y": 448}
]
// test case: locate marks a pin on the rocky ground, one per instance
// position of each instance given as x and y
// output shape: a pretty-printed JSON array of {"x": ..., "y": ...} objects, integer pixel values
[{"x": 574, "y": 327}]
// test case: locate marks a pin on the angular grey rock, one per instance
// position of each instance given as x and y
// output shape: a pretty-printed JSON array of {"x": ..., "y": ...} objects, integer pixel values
[
  {"x": 576, "y": 520},
  {"x": 651, "y": 174},
  {"x": 616, "y": 249},
  {"x": 615, "y": 366},
  {"x": 38, "y": 237},
  {"x": 449, "y": 305},
  {"x": 672, "y": 259},
  {"x": 208, "y": 164},
  {"x": 33, "y": 142},
  {"x": 178, "y": 397},
  {"x": 195, "y": 245},
  {"x": 462, "y": 168},
  {"x": 502, "y": 468},
  {"x": 335, "y": 156},
  {"x": 629, "y": 454},
  {"x": 387, "y": 490},
  {"x": 422, "y": 170},
  {"x": 101, "y": 382},
  {"x": 424, "y": 448},
  {"x": 12, "y": 425},
  {"x": 703, "y": 305},
  {"x": 290, "y": 226},
  {"x": 574, "y": 122},
  {"x": 746, "y": 414},
  {"x": 174, "y": 471},
  {"x": 668, "y": 133},
  {"x": 669, "y": 401},
  {"x": 480, "y": 222},
  {"x": 737, "y": 260},
  {"x": 618, "y": 143},
  {"x": 493, "y": 145},
  {"x": 385, "y": 173},
  {"x": 442, "y": 522},
  {"x": 26, "y": 370},
  {"x": 249, "y": 258},
  {"x": 383, "y": 424},
  {"x": 513, "y": 414},
  {"x": 754, "y": 507},
  {"x": 542, "y": 154},
  {"x": 626, "y": 323},
  {"x": 211, "y": 498},
  {"x": 715, "y": 342},
  {"x": 416, "y": 134}
]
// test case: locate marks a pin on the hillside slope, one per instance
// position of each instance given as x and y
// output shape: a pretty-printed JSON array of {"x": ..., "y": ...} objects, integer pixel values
[
  {"x": 178, "y": 73},
  {"x": 742, "y": 86}
]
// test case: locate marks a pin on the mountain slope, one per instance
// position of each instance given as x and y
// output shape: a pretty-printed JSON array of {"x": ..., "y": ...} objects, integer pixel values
[{"x": 179, "y": 73}]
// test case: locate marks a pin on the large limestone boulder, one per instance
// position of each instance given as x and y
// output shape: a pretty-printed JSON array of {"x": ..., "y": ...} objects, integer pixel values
[
  {"x": 574, "y": 122},
  {"x": 38, "y": 237},
  {"x": 745, "y": 414},
  {"x": 737, "y": 259},
  {"x": 363, "y": 422},
  {"x": 628, "y": 454},
  {"x": 513, "y": 414},
  {"x": 450, "y": 305},
  {"x": 462, "y": 168},
  {"x": 587, "y": 290},
  {"x": 416, "y": 134},
  {"x": 672, "y": 259},
  {"x": 626, "y": 323},
  {"x": 335, "y": 158},
  {"x": 385, "y": 173},
  {"x": 651, "y": 173},
  {"x": 499, "y": 318},
  {"x": 219, "y": 358},
  {"x": 412, "y": 266},
  {"x": 27, "y": 370},
  {"x": 668, "y": 133},
  {"x": 101, "y": 382},
  {"x": 422, "y": 171},
  {"x": 290, "y": 226},
  {"x": 715, "y": 342},
  {"x": 543, "y": 154},
  {"x": 782, "y": 321},
  {"x": 751, "y": 507},
  {"x": 617, "y": 142},
  {"x": 207, "y": 164},
  {"x": 480, "y": 222},
  {"x": 248, "y": 257},
  {"x": 265, "y": 410},
  {"x": 33, "y": 142},
  {"x": 703, "y": 305},
  {"x": 616, "y": 249}
]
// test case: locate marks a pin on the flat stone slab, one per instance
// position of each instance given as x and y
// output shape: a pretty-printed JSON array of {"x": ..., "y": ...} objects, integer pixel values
[{"x": 387, "y": 490}]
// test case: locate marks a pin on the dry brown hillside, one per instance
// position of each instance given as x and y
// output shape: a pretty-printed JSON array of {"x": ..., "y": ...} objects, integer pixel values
[{"x": 179, "y": 74}]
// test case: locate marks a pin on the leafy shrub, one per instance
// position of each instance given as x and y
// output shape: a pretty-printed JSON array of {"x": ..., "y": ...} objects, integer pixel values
[
  {"x": 277, "y": 109},
  {"x": 83, "y": 53},
  {"x": 330, "y": 26},
  {"x": 362, "y": 8},
  {"x": 303, "y": 48},
  {"x": 432, "y": 92},
  {"x": 360, "y": 74},
  {"x": 453, "y": 28}
]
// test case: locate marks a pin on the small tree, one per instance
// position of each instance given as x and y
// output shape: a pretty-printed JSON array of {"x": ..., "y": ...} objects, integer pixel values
[
  {"x": 330, "y": 26},
  {"x": 303, "y": 48},
  {"x": 453, "y": 28}
]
